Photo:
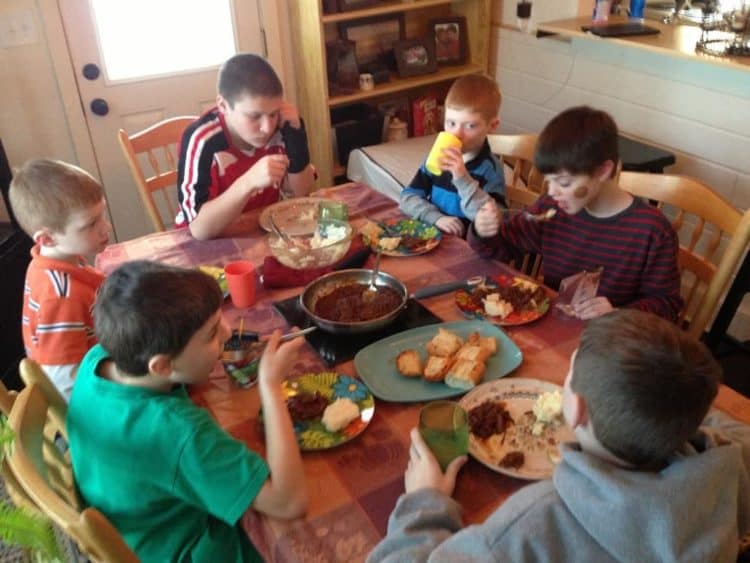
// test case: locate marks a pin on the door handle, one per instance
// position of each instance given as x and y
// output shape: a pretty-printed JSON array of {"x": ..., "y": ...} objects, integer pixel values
[{"x": 99, "y": 106}]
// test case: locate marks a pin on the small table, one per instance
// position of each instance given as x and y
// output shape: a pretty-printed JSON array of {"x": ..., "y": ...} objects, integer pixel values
[{"x": 640, "y": 157}]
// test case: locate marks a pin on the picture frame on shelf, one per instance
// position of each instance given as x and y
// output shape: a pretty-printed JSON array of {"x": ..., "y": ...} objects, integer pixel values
[
  {"x": 374, "y": 38},
  {"x": 349, "y": 5},
  {"x": 415, "y": 57},
  {"x": 341, "y": 67},
  {"x": 449, "y": 35}
]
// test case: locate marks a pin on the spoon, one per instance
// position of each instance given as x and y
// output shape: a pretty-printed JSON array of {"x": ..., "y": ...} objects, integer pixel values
[
  {"x": 372, "y": 290},
  {"x": 281, "y": 234}
]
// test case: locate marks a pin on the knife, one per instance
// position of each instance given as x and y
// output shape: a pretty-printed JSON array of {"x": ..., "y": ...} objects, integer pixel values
[{"x": 432, "y": 290}]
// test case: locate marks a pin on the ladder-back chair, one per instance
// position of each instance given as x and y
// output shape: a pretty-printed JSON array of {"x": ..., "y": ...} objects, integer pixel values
[
  {"x": 12, "y": 486},
  {"x": 703, "y": 220},
  {"x": 157, "y": 146},
  {"x": 526, "y": 185},
  {"x": 31, "y": 372},
  {"x": 47, "y": 478}
]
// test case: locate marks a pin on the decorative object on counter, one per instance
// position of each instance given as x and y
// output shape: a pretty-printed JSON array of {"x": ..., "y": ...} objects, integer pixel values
[
  {"x": 415, "y": 57},
  {"x": 449, "y": 35},
  {"x": 601, "y": 11},
  {"x": 366, "y": 81},
  {"x": 397, "y": 130},
  {"x": 424, "y": 111},
  {"x": 635, "y": 10},
  {"x": 724, "y": 33},
  {"x": 341, "y": 66},
  {"x": 375, "y": 38},
  {"x": 523, "y": 16}
]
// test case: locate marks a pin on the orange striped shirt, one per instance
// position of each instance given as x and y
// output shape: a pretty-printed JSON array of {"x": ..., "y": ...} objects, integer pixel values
[{"x": 57, "y": 324}]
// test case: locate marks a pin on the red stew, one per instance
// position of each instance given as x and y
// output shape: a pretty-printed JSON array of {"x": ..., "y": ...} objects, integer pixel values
[{"x": 346, "y": 303}]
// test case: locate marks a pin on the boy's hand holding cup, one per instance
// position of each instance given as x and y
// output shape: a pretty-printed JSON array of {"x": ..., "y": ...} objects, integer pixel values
[{"x": 444, "y": 140}]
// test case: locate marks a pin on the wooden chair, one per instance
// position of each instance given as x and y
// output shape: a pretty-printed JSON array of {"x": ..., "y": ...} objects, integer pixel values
[
  {"x": 14, "y": 488},
  {"x": 703, "y": 219},
  {"x": 526, "y": 185},
  {"x": 162, "y": 139},
  {"x": 47, "y": 478},
  {"x": 31, "y": 373}
]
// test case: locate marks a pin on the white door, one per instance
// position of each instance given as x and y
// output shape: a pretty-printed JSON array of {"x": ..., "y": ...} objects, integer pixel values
[{"x": 141, "y": 61}]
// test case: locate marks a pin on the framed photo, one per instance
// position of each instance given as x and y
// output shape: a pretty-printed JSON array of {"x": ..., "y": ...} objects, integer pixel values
[
  {"x": 414, "y": 57},
  {"x": 450, "y": 40},
  {"x": 349, "y": 5},
  {"x": 341, "y": 63},
  {"x": 374, "y": 38}
]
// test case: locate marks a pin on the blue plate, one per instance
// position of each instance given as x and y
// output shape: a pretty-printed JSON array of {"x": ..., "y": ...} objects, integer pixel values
[{"x": 376, "y": 364}]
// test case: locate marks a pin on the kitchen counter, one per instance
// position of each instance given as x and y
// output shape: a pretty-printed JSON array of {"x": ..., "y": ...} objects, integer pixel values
[{"x": 674, "y": 39}]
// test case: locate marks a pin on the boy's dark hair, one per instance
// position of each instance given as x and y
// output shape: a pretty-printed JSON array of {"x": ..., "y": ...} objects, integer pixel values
[
  {"x": 475, "y": 92},
  {"x": 247, "y": 74},
  {"x": 145, "y": 308},
  {"x": 577, "y": 140},
  {"x": 647, "y": 385},
  {"x": 45, "y": 192}
]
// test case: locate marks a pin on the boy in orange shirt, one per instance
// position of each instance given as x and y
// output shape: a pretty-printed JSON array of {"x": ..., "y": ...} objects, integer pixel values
[{"x": 62, "y": 208}]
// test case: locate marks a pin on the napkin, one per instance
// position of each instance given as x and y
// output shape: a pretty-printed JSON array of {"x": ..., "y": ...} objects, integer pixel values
[{"x": 275, "y": 274}]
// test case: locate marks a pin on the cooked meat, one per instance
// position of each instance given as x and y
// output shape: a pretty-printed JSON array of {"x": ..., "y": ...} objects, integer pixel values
[{"x": 489, "y": 418}]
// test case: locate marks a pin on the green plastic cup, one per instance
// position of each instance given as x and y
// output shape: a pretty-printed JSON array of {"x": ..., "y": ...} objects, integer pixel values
[{"x": 444, "y": 425}]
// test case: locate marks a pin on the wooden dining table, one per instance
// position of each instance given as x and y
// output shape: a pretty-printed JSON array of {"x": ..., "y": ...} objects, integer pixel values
[{"x": 353, "y": 487}]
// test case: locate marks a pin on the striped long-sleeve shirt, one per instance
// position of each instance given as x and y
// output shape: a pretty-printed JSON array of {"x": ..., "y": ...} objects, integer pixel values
[
  {"x": 429, "y": 197},
  {"x": 57, "y": 324},
  {"x": 636, "y": 248},
  {"x": 210, "y": 163}
]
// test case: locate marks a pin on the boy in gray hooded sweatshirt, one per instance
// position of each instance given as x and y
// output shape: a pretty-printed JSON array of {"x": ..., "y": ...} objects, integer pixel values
[{"x": 651, "y": 478}]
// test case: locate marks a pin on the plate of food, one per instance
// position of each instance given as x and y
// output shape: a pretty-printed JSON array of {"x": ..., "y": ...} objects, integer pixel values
[
  {"x": 504, "y": 300},
  {"x": 436, "y": 361},
  {"x": 327, "y": 409},
  {"x": 401, "y": 237},
  {"x": 289, "y": 214},
  {"x": 217, "y": 273},
  {"x": 516, "y": 426}
]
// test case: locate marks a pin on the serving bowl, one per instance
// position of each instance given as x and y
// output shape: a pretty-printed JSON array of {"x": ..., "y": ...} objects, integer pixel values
[{"x": 319, "y": 245}]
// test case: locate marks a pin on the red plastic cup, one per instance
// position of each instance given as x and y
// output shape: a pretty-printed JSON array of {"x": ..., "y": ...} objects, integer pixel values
[{"x": 241, "y": 283}]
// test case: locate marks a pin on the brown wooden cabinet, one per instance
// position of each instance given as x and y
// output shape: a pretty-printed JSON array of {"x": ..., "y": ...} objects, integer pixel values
[{"x": 311, "y": 28}]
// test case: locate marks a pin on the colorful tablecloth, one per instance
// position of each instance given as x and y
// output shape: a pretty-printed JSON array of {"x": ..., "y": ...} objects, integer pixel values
[{"x": 354, "y": 487}]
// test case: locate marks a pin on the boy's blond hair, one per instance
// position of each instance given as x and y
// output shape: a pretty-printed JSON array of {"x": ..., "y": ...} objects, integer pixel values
[
  {"x": 475, "y": 92},
  {"x": 45, "y": 192}
]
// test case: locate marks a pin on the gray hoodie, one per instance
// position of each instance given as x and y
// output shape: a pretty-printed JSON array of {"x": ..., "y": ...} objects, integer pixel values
[{"x": 693, "y": 510}]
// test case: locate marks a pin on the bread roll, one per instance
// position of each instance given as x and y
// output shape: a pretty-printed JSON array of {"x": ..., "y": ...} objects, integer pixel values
[
  {"x": 444, "y": 343},
  {"x": 465, "y": 374},
  {"x": 409, "y": 363},
  {"x": 339, "y": 414},
  {"x": 437, "y": 367}
]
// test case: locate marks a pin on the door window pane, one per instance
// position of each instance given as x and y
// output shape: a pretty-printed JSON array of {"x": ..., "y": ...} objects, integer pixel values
[{"x": 142, "y": 38}]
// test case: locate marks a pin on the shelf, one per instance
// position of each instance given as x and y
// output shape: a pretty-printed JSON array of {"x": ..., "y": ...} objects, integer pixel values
[
  {"x": 401, "y": 84},
  {"x": 381, "y": 10}
]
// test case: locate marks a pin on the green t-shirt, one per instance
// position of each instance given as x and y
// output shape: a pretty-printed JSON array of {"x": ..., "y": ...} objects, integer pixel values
[{"x": 170, "y": 480}]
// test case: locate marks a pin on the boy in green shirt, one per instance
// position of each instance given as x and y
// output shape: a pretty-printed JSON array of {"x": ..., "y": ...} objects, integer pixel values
[{"x": 170, "y": 480}]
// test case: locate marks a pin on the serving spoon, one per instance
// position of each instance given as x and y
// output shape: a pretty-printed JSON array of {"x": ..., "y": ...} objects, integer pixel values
[{"x": 371, "y": 290}]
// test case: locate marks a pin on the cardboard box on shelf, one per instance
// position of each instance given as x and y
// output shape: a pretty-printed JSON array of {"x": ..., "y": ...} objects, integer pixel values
[{"x": 425, "y": 116}]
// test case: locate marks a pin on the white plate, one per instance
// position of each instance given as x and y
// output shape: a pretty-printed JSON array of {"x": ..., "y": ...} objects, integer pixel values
[
  {"x": 291, "y": 215},
  {"x": 519, "y": 395}
]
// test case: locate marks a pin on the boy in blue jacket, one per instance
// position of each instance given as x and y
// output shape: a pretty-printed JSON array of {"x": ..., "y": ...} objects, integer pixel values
[{"x": 651, "y": 478}]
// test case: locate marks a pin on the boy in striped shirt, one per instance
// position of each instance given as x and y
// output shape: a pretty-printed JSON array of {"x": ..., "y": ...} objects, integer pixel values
[
  {"x": 242, "y": 153},
  {"x": 597, "y": 224},
  {"x": 62, "y": 208},
  {"x": 470, "y": 176}
]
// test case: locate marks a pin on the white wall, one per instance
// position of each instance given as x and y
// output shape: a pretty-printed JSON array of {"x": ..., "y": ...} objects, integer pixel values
[{"x": 699, "y": 111}]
